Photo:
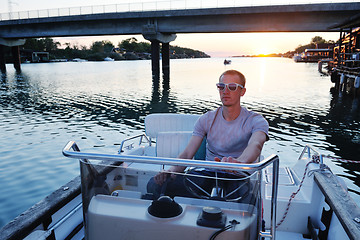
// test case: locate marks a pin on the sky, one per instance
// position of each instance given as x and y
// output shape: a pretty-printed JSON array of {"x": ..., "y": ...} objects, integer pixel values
[{"x": 215, "y": 44}]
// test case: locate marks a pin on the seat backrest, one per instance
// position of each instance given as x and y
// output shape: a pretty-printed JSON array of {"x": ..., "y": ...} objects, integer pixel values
[
  {"x": 169, "y": 122},
  {"x": 171, "y": 144}
]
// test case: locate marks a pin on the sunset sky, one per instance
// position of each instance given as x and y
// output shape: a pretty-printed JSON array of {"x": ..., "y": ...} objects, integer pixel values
[{"x": 216, "y": 45}]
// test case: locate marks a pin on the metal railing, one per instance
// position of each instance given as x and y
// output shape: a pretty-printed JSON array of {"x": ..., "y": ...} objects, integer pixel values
[
  {"x": 71, "y": 150},
  {"x": 149, "y": 6},
  {"x": 308, "y": 149},
  {"x": 140, "y": 136}
]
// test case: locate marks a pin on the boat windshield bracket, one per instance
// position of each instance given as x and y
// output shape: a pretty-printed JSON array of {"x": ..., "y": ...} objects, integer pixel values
[{"x": 141, "y": 136}]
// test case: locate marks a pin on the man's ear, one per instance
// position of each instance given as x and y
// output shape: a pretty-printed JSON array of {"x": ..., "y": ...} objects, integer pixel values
[{"x": 243, "y": 91}]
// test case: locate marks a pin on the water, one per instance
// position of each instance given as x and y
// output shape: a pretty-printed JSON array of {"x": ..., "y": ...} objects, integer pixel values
[{"x": 98, "y": 104}]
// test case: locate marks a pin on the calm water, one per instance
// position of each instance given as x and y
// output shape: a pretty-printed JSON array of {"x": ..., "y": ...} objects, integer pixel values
[{"x": 98, "y": 104}]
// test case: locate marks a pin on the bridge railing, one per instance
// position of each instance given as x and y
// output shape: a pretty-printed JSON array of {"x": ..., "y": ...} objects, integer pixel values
[{"x": 150, "y": 6}]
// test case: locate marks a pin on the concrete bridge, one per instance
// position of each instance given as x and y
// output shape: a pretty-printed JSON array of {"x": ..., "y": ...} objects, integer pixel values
[{"x": 161, "y": 26}]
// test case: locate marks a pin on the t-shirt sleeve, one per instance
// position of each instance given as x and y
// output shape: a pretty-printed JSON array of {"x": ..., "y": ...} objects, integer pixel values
[
  {"x": 260, "y": 124},
  {"x": 200, "y": 126}
]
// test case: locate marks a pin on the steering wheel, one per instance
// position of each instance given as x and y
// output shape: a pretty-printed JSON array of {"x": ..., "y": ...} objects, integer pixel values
[{"x": 224, "y": 186}]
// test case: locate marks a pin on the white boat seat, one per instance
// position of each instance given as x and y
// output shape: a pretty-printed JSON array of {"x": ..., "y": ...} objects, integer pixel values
[
  {"x": 168, "y": 122},
  {"x": 171, "y": 144}
]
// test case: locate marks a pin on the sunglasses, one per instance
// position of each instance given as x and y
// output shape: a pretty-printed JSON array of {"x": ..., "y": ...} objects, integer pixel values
[{"x": 231, "y": 86}]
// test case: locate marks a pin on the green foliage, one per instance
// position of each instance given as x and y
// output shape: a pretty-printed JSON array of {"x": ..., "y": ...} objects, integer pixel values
[
  {"x": 314, "y": 41},
  {"x": 317, "y": 40},
  {"x": 97, "y": 47},
  {"x": 116, "y": 56},
  {"x": 101, "y": 49},
  {"x": 71, "y": 52},
  {"x": 41, "y": 45},
  {"x": 108, "y": 46},
  {"x": 96, "y": 56},
  {"x": 181, "y": 52},
  {"x": 132, "y": 45},
  {"x": 102, "y": 46}
]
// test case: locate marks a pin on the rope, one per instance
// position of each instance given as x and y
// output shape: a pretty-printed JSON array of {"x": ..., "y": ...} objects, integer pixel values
[
  {"x": 342, "y": 160},
  {"x": 315, "y": 159},
  {"x": 323, "y": 168}
]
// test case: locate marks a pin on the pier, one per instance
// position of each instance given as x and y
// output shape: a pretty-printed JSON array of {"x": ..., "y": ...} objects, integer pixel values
[{"x": 160, "y": 26}]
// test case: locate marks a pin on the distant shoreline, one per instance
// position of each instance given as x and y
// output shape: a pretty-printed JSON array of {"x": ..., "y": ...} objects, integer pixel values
[{"x": 288, "y": 55}]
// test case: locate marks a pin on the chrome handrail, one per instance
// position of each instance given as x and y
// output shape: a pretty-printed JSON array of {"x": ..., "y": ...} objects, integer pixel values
[
  {"x": 166, "y": 161},
  {"x": 272, "y": 159}
]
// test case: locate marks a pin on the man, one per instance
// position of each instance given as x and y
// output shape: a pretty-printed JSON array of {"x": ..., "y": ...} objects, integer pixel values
[{"x": 233, "y": 133}]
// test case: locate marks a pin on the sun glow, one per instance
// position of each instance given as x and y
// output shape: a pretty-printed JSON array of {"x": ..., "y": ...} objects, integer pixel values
[{"x": 263, "y": 51}]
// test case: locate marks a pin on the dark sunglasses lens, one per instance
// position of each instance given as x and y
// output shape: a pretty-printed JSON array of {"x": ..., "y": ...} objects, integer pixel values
[
  {"x": 220, "y": 86},
  {"x": 232, "y": 87}
]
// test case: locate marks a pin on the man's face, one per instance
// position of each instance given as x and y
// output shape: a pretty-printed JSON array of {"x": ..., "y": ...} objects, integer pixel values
[{"x": 231, "y": 98}]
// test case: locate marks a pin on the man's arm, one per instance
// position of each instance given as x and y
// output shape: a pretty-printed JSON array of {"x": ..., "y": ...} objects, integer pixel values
[
  {"x": 253, "y": 149},
  {"x": 188, "y": 153},
  {"x": 251, "y": 152}
]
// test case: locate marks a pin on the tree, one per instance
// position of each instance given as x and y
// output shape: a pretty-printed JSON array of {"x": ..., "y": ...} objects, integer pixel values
[
  {"x": 108, "y": 46},
  {"x": 49, "y": 45},
  {"x": 128, "y": 44},
  {"x": 102, "y": 47},
  {"x": 132, "y": 45},
  {"x": 41, "y": 45},
  {"x": 317, "y": 40},
  {"x": 97, "y": 47},
  {"x": 314, "y": 42}
]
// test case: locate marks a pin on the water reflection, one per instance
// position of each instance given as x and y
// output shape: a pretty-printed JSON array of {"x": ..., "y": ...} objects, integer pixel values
[
  {"x": 344, "y": 132},
  {"x": 15, "y": 90},
  {"x": 160, "y": 101}
]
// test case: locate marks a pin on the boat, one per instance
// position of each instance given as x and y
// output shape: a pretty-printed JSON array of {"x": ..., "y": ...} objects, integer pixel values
[
  {"x": 79, "y": 60},
  {"x": 313, "y": 55},
  {"x": 109, "y": 200},
  {"x": 297, "y": 57},
  {"x": 226, "y": 62},
  {"x": 109, "y": 59}
]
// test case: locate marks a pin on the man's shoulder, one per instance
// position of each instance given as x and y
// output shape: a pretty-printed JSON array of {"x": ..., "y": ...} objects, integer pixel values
[
  {"x": 248, "y": 114},
  {"x": 210, "y": 114},
  {"x": 207, "y": 118}
]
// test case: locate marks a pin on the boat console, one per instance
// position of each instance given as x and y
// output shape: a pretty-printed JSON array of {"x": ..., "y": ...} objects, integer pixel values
[
  {"x": 116, "y": 203},
  {"x": 130, "y": 217}
]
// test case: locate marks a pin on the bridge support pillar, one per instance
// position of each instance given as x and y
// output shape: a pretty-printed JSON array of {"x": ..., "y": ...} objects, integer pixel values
[
  {"x": 150, "y": 33},
  {"x": 155, "y": 57},
  {"x": 15, "y": 51},
  {"x": 2, "y": 59},
  {"x": 165, "y": 53}
]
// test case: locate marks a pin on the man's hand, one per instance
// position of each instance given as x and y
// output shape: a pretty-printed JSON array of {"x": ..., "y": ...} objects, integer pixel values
[
  {"x": 226, "y": 159},
  {"x": 161, "y": 177}
]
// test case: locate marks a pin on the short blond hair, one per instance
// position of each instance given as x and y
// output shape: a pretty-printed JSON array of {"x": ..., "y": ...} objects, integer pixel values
[{"x": 234, "y": 72}]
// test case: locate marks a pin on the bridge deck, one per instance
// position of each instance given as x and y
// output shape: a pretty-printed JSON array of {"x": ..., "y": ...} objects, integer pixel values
[{"x": 280, "y": 18}]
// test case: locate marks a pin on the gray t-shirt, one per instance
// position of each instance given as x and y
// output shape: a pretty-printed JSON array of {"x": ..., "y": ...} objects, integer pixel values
[{"x": 228, "y": 138}]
